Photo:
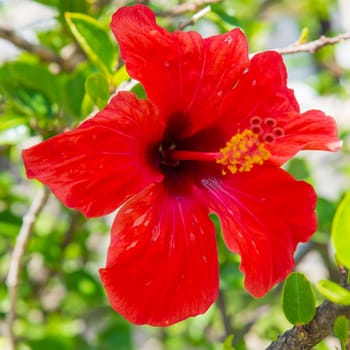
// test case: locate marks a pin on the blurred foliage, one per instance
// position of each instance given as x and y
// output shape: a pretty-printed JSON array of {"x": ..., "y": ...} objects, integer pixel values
[{"x": 61, "y": 304}]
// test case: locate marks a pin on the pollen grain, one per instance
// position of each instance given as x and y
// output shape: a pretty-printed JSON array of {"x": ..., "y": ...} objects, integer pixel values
[{"x": 242, "y": 152}]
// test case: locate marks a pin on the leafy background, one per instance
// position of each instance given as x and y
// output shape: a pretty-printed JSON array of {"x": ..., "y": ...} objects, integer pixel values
[{"x": 61, "y": 304}]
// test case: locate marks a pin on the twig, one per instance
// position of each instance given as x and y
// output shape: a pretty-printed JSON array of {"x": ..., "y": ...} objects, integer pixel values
[
  {"x": 344, "y": 275},
  {"x": 16, "y": 259},
  {"x": 226, "y": 319},
  {"x": 307, "y": 336},
  {"x": 313, "y": 46},
  {"x": 43, "y": 53},
  {"x": 186, "y": 7},
  {"x": 195, "y": 18}
]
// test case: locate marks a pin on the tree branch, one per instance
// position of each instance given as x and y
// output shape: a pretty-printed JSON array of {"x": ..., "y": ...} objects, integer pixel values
[
  {"x": 313, "y": 46},
  {"x": 43, "y": 53},
  {"x": 226, "y": 319},
  {"x": 307, "y": 336},
  {"x": 195, "y": 18},
  {"x": 16, "y": 259},
  {"x": 186, "y": 7}
]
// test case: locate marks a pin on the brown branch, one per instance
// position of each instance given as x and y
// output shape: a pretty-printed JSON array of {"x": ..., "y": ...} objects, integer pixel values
[
  {"x": 226, "y": 319},
  {"x": 16, "y": 260},
  {"x": 313, "y": 46},
  {"x": 307, "y": 336},
  {"x": 195, "y": 18},
  {"x": 43, "y": 53},
  {"x": 187, "y": 7},
  {"x": 74, "y": 221}
]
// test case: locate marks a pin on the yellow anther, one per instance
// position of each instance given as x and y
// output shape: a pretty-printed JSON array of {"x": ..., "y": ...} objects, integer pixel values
[{"x": 242, "y": 152}]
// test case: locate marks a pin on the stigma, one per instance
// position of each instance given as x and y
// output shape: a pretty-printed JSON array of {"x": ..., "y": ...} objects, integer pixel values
[{"x": 242, "y": 152}]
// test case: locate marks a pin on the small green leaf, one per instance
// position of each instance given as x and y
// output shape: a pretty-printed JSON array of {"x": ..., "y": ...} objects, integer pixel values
[
  {"x": 97, "y": 87},
  {"x": 87, "y": 105},
  {"x": 93, "y": 39},
  {"x": 341, "y": 328},
  {"x": 228, "y": 343},
  {"x": 298, "y": 300},
  {"x": 304, "y": 35},
  {"x": 120, "y": 76},
  {"x": 334, "y": 292},
  {"x": 341, "y": 231}
]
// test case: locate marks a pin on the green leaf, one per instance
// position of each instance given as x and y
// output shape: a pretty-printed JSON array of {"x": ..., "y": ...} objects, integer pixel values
[
  {"x": 228, "y": 343},
  {"x": 73, "y": 92},
  {"x": 116, "y": 336},
  {"x": 30, "y": 102},
  {"x": 298, "y": 300},
  {"x": 66, "y": 5},
  {"x": 325, "y": 210},
  {"x": 334, "y": 292},
  {"x": 304, "y": 35},
  {"x": 73, "y": 6},
  {"x": 233, "y": 21},
  {"x": 56, "y": 342},
  {"x": 8, "y": 229},
  {"x": 30, "y": 75},
  {"x": 87, "y": 105},
  {"x": 341, "y": 231},
  {"x": 53, "y": 39},
  {"x": 341, "y": 328},
  {"x": 93, "y": 39},
  {"x": 120, "y": 76},
  {"x": 53, "y": 3},
  {"x": 97, "y": 87}
]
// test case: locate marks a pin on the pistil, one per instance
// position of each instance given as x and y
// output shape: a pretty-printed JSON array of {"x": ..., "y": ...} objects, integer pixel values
[
  {"x": 193, "y": 155},
  {"x": 241, "y": 153}
]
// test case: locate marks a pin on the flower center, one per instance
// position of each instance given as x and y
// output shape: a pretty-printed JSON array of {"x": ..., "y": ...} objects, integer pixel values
[{"x": 241, "y": 153}]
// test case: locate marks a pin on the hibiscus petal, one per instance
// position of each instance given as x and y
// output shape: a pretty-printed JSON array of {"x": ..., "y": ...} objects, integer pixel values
[
  {"x": 180, "y": 71},
  {"x": 162, "y": 262},
  {"x": 262, "y": 93},
  {"x": 312, "y": 130},
  {"x": 96, "y": 166},
  {"x": 264, "y": 215}
]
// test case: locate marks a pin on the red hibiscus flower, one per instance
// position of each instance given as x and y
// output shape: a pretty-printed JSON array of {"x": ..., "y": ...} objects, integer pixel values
[{"x": 210, "y": 138}]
